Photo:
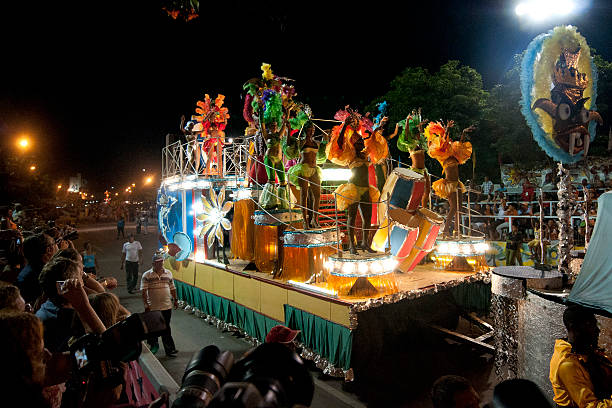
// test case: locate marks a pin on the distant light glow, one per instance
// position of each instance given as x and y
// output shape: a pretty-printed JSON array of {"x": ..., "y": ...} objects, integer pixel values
[
  {"x": 540, "y": 10},
  {"x": 32, "y": 168}
]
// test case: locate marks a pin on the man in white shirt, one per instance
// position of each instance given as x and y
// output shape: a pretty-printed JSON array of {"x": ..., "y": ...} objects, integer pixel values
[
  {"x": 159, "y": 293},
  {"x": 486, "y": 188},
  {"x": 131, "y": 257}
]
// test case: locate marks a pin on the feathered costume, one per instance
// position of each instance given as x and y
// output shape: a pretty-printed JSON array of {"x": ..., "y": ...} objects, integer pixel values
[
  {"x": 448, "y": 153},
  {"x": 347, "y": 156}
]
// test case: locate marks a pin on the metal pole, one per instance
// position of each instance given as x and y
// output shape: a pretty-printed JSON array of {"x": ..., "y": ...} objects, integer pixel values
[
  {"x": 469, "y": 212},
  {"x": 388, "y": 229},
  {"x": 541, "y": 227},
  {"x": 337, "y": 225}
]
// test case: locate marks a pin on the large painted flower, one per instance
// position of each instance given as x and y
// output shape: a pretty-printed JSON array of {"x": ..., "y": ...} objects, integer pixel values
[{"x": 213, "y": 216}]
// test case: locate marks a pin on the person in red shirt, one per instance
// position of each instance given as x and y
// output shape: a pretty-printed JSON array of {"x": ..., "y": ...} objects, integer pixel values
[{"x": 528, "y": 191}]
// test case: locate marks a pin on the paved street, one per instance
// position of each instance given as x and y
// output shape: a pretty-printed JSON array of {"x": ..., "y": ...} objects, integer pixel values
[{"x": 190, "y": 333}]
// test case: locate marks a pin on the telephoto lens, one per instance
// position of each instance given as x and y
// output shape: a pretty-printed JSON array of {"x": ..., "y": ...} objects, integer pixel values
[
  {"x": 270, "y": 376},
  {"x": 203, "y": 377}
]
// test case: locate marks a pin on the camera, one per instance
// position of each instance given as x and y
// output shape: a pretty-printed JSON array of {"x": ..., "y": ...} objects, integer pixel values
[
  {"x": 268, "y": 376},
  {"x": 101, "y": 354}
]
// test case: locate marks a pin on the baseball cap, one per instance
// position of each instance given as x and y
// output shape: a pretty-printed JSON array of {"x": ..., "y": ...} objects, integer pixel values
[
  {"x": 281, "y": 334},
  {"x": 158, "y": 256}
]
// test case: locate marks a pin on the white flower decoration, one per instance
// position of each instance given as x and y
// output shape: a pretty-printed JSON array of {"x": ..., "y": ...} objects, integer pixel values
[{"x": 213, "y": 217}]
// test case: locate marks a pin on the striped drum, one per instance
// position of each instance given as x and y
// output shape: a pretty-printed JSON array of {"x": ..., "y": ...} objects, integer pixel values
[
  {"x": 401, "y": 237},
  {"x": 404, "y": 189},
  {"x": 429, "y": 226}
]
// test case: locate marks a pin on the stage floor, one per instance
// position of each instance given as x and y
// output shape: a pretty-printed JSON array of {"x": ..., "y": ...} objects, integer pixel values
[{"x": 422, "y": 278}]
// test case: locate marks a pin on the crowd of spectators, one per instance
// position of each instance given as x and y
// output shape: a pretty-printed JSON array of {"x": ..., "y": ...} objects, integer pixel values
[{"x": 496, "y": 212}]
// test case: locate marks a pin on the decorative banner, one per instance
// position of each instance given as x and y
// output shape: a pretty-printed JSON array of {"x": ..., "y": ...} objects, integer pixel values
[{"x": 559, "y": 87}]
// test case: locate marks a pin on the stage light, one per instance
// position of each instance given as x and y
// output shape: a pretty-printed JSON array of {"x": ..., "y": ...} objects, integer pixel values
[{"x": 336, "y": 174}]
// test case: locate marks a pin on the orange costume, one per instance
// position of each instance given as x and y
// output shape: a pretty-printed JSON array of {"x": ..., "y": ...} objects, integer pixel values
[{"x": 449, "y": 154}]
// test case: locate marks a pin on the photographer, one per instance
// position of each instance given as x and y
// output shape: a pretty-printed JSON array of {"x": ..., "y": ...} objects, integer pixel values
[{"x": 62, "y": 284}]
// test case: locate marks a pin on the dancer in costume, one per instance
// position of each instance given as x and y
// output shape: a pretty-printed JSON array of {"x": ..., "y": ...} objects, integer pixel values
[
  {"x": 347, "y": 148},
  {"x": 411, "y": 140},
  {"x": 379, "y": 141},
  {"x": 450, "y": 154},
  {"x": 306, "y": 175},
  {"x": 274, "y": 197},
  {"x": 214, "y": 144}
]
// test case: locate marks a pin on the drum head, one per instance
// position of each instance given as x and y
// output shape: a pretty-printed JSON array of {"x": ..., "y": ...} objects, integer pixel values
[
  {"x": 406, "y": 173},
  {"x": 403, "y": 217},
  {"x": 433, "y": 217}
]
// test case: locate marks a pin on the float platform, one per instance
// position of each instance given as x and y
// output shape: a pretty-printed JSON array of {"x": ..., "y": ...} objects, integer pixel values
[{"x": 344, "y": 336}]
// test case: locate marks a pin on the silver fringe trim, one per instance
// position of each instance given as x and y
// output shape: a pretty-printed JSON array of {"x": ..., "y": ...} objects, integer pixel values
[{"x": 320, "y": 362}]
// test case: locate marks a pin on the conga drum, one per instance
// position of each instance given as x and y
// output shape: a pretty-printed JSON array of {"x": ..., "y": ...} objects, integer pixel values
[
  {"x": 403, "y": 189},
  {"x": 269, "y": 227},
  {"x": 402, "y": 236},
  {"x": 306, "y": 253},
  {"x": 243, "y": 229},
  {"x": 429, "y": 227}
]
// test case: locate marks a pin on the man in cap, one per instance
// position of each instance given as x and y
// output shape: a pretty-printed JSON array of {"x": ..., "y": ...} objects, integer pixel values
[{"x": 159, "y": 293}]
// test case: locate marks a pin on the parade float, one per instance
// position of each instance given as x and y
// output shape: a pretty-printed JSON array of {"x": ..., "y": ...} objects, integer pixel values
[
  {"x": 559, "y": 88},
  {"x": 286, "y": 225}
]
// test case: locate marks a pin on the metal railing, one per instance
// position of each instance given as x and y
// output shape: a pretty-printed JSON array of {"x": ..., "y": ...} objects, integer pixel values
[{"x": 181, "y": 159}]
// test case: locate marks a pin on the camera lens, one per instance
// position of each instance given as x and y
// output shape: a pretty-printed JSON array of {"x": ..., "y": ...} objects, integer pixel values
[{"x": 204, "y": 375}]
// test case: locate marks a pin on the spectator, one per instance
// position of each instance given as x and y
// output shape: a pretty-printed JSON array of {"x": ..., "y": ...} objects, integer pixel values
[
  {"x": 513, "y": 245},
  {"x": 131, "y": 257},
  {"x": 90, "y": 283},
  {"x": 90, "y": 261},
  {"x": 159, "y": 293},
  {"x": 23, "y": 359},
  {"x": 510, "y": 210},
  {"x": 121, "y": 227},
  {"x": 597, "y": 182},
  {"x": 64, "y": 299},
  {"x": 553, "y": 231},
  {"x": 528, "y": 191},
  {"x": 37, "y": 250},
  {"x": 518, "y": 393},
  {"x": 576, "y": 363},
  {"x": 18, "y": 214},
  {"x": 107, "y": 307},
  {"x": 6, "y": 219},
  {"x": 453, "y": 391},
  {"x": 145, "y": 222},
  {"x": 487, "y": 187},
  {"x": 11, "y": 299},
  {"x": 283, "y": 335}
]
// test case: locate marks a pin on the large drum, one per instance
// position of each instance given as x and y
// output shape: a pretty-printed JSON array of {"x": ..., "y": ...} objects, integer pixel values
[
  {"x": 269, "y": 227},
  {"x": 429, "y": 227},
  {"x": 306, "y": 253},
  {"x": 403, "y": 189},
  {"x": 401, "y": 237},
  {"x": 243, "y": 229}
]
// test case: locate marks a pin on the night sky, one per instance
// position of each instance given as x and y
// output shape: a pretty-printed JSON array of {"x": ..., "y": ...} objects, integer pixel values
[{"x": 98, "y": 86}]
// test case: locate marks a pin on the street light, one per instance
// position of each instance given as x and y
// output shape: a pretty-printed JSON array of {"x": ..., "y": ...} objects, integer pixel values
[
  {"x": 149, "y": 180},
  {"x": 23, "y": 143},
  {"x": 539, "y": 10},
  {"x": 59, "y": 186},
  {"x": 32, "y": 167}
]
